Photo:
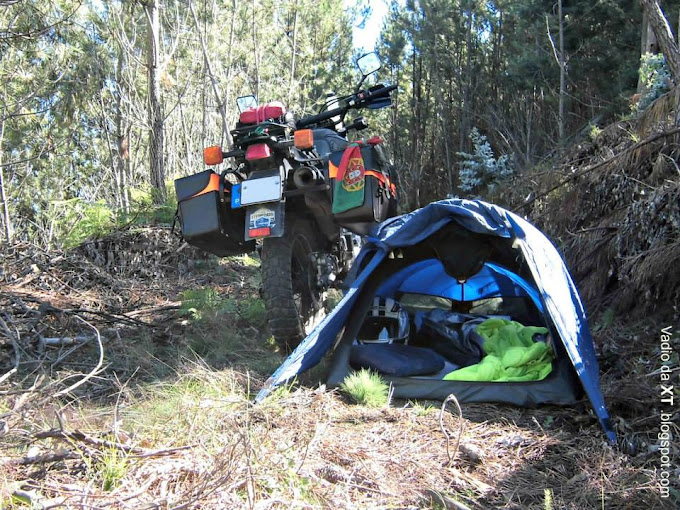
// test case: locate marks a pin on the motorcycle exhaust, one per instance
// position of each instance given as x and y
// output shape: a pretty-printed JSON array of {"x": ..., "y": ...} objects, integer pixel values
[{"x": 304, "y": 177}]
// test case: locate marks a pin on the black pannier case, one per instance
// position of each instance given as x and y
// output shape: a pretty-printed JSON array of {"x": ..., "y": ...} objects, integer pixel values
[
  {"x": 208, "y": 222},
  {"x": 377, "y": 196}
]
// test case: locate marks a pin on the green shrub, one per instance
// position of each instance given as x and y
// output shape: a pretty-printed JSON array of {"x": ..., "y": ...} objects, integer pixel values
[
  {"x": 594, "y": 132},
  {"x": 75, "y": 220},
  {"x": 111, "y": 468},
  {"x": 422, "y": 409},
  {"x": 252, "y": 310},
  {"x": 107, "y": 469},
  {"x": 143, "y": 210},
  {"x": 203, "y": 303},
  {"x": 366, "y": 388}
]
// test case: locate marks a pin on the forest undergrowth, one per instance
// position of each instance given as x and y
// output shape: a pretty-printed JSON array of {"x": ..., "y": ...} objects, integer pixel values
[{"x": 128, "y": 382}]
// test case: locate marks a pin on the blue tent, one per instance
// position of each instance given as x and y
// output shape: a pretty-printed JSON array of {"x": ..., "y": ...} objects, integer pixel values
[
  {"x": 464, "y": 250},
  {"x": 492, "y": 280}
]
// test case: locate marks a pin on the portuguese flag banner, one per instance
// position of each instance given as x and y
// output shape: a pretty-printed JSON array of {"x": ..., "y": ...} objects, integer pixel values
[{"x": 350, "y": 180}]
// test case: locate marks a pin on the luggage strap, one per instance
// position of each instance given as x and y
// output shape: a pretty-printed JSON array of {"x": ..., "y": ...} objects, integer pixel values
[{"x": 384, "y": 180}]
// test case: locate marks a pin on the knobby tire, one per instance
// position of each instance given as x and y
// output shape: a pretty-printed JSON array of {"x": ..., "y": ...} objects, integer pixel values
[{"x": 287, "y": 271}]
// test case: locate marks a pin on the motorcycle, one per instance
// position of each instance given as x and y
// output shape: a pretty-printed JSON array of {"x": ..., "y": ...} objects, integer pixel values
[{"x": 300, "y": 192}]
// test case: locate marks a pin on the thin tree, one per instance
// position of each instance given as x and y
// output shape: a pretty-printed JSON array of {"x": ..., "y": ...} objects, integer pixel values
[
  {"x": 155, "y": 111},
  {"x": 3, "y": 195},
  {"x": 218, "y": 96},
  {"x": 664, "y": 37},
  {"x": 562, "y": 63}
]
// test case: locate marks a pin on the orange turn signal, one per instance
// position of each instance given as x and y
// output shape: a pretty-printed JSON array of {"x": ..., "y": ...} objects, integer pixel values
[
  {"x": 304, "y": 139},
  {"x": 213, "y": 155}
]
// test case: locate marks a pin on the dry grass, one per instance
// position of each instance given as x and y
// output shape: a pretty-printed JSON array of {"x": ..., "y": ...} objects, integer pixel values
[
  {"x": 309, "y": 449},
  {"x": 168, "y": 422}
]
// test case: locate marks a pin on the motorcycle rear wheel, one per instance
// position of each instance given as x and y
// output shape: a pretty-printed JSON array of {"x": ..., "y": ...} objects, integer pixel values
[{"x": 294, "y": 302}]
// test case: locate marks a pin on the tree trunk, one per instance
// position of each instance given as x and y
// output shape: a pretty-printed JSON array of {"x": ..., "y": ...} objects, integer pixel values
[
  {"x": 218, "y": 97},
  {"x": 3, "y": 195},
  {"x": 497, "y": 55},
  {"x": 563, "y": 74},
  {"x": 293, "y": 51},
  {"x": 122, "y": 141},
  {"x": 230, "y": 59},
  {"x": 156, "y": 159},
  {"x": 562, "y": 64},
  {"x": 112, "y": 155},
  {"x": 664, "y": 36},
  {"x": 466, "y": 110},
  {"x": 256, "y": 52},
  {"x": 441, "y": 101},
  {"x": 418, "y": 131}
]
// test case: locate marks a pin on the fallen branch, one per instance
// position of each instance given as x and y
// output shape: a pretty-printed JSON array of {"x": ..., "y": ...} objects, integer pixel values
[
  {"x": 110, "y": 317},
  {"x": 65, "y": 355},
  {"x": 94, "y": 370},
  {"x": 15, "y": 346},
  {"x": 65, "y": 341},
  {"x": 81, "y": 437},
  {"x": 48, "y": 457},
  {"x": 143, "y": 311}
]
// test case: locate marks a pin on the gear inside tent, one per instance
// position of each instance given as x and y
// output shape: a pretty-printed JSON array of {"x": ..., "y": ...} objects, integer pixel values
[{"x": 493, "y": 314}]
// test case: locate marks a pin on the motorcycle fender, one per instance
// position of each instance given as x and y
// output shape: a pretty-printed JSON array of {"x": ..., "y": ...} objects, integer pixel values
[{"x": 265, "y": 220}]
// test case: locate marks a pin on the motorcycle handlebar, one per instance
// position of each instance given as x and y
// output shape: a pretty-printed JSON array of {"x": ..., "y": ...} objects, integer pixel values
[{"x": 357, "y": 101}]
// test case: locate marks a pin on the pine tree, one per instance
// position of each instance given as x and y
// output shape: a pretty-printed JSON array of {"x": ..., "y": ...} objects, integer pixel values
[{"x": 480, "y": 171}]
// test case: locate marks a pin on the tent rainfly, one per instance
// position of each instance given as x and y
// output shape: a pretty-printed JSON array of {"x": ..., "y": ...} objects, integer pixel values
[{"x": 472, "y": 252}]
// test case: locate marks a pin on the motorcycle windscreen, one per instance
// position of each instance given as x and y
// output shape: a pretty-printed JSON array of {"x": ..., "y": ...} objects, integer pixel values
[{"x": 265, "y": 220}]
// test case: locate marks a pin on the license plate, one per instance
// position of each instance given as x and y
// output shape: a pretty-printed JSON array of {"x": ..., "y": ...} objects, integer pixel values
[{"x": 257, "y": 191}]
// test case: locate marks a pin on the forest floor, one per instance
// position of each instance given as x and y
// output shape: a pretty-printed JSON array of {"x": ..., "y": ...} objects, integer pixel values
[{"x": 129, "y": 372}]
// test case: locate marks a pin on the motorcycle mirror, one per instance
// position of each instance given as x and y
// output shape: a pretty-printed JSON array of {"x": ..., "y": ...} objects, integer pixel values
[
  {"x": 245, "y": 102},
  {"x": 369, "y": 63}
]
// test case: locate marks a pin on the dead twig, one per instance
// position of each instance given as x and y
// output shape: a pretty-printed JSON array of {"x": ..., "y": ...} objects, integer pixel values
[
  {"x": 95, "y": 370},
  {"x": 48, "y": 458},
  {"x": 323, "y": 428},
  {"x": 144, "y": 311},
  {"x": 460, "y": 428},
  {"x": 110, "y": 317},
  {"x": 65, "y": 341},
  {"x": 65, "y": 355},
  {"x": 15, "y": 346},
  {"x": 81, "y": 437}
]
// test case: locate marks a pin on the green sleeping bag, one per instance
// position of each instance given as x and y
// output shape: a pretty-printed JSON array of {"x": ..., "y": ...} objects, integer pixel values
[{"x": 512, "y": 354}]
